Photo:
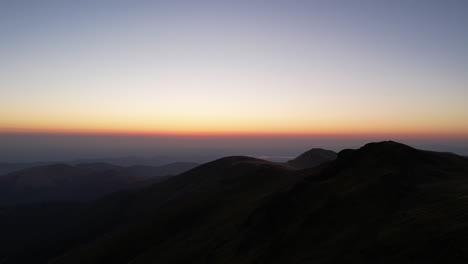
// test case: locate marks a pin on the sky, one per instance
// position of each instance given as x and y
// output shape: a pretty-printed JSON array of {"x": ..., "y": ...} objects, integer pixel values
[{"x": 231, "y": 74}]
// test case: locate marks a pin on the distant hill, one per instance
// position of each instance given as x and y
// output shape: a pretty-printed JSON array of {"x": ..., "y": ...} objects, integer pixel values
[
  {"x": 126, "y": 161},
  {"x": 79, "y": 182},
  {"x": 383, "y": 203},
  {"x": 7, "y": 167},
  {"x": 312, "y": 158}
]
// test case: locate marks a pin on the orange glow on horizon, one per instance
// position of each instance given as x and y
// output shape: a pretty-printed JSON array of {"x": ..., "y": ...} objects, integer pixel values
[
  {"x": 342, "y": 133},
  {"x": 238, "y": 125}
]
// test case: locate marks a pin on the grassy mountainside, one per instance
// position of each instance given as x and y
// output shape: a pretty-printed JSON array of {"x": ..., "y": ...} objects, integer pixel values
[
  {"x": 84, "y": 222},
  {"x": 383, "y": 203}
]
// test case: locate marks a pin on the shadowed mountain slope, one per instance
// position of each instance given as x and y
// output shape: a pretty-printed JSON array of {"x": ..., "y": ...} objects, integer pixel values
[
  {"x": 312, "y": 158},
  {"x": 228, "y": 177},
  {"x": 383, "y": 203}
]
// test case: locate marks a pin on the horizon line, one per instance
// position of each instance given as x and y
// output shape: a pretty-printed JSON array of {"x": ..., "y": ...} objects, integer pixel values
[{"x": 222, "y": 134}]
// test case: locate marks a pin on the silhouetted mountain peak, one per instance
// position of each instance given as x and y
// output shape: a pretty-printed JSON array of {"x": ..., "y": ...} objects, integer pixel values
[
  {"x": 312, "y": 158},
  {"x": 387, "y": 146},
  {"x": 228, "y": 168},
  {"x": 393, "y": 160},
  {"x": 234, "y": 159},
  {"x": 389, "y": 151}
]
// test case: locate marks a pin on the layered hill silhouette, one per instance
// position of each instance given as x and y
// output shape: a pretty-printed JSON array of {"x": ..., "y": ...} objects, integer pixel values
[
  {"x": 383, "y": 203},
  {"x": 8, "y": 167},
  {"x": 79, "y": 182}
]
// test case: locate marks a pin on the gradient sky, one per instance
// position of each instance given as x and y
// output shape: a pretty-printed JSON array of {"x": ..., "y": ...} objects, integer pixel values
[{"x": 397, "y": 68}]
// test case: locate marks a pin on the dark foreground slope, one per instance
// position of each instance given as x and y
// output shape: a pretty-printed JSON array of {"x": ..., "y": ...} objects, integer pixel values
[
  {"x": 36, "y": 233},
  {"x": 383, "y": 203},
  {"x": 195, "y": 212}
]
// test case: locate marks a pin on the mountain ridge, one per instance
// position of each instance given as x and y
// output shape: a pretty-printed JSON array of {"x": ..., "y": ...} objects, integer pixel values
[{"x": 382, "y": 203}]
